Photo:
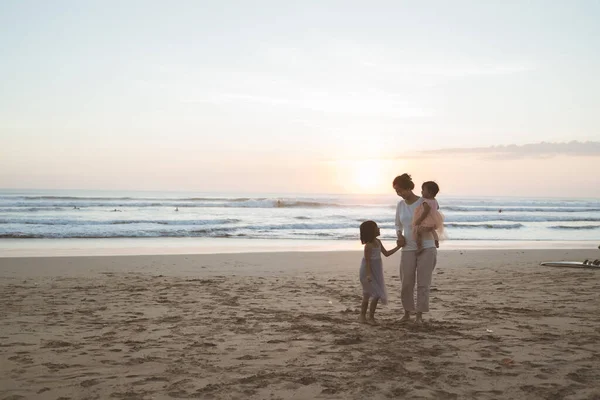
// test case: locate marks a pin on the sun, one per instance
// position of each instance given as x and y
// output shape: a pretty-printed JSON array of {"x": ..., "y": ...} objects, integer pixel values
[
  {"x": 364, "y": 179},
  {"x": 367, "y": 175}
]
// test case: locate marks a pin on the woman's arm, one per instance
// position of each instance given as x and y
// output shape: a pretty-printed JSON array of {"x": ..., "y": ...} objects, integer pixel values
[
  {"x": 385, "y": 252},
  {"x": 426, "y": 210},
  {"x": 401, "y": 241}
]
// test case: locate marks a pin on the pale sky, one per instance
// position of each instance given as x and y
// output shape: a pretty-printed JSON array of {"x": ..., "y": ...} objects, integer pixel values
[{"x": 303, "y": 97}]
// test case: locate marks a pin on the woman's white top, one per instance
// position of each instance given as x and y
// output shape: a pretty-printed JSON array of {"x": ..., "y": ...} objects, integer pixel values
[{"x": 404, "y": 219}]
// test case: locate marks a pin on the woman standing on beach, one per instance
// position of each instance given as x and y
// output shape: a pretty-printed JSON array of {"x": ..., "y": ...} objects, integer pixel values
[{"x": 415, "y": 267}]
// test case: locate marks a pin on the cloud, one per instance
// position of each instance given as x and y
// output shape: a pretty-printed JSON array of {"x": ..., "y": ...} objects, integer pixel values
[{"x": 513, "y": 151}]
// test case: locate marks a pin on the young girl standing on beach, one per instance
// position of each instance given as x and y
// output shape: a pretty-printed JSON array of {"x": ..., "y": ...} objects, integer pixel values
[
  {"x": 427, "y": 216},
  {"x": 371, "y": 270}
]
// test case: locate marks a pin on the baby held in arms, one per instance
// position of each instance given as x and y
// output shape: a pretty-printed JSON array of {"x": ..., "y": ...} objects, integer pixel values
[{"x": 428, "y": 217}]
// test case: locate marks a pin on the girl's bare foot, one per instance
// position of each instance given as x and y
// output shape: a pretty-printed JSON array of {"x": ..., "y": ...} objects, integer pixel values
[
  {"x": 405, "y": 318},
  {"x": 362, "y": 319},
  {"x": 371, "y": 321}
]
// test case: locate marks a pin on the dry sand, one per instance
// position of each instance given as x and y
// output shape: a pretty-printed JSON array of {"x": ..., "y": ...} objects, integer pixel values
[{"x": 284, "y": 326}]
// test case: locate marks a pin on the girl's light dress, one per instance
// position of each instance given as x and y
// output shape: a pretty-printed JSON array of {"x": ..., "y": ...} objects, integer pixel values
[
  {"x": 376, "y": 288},
  {"x": 435, "y": 219}
]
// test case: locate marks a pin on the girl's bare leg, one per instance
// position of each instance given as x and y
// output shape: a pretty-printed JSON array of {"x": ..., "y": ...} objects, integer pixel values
[
  {"x": 363, "y": 309},
  {"x": 372, "y": 311}
]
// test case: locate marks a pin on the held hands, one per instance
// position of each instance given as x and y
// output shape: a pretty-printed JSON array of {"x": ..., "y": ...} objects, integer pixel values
[
  {"x": 369, "y": 279},
  {"x": 401, "y": 242}
]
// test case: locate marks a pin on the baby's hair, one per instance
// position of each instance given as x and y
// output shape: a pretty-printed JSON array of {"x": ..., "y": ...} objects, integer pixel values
[
  {"x": 404, "y": 181},
  {"x": 432, "y": 187},
  {"x": 368, "y": 231}
]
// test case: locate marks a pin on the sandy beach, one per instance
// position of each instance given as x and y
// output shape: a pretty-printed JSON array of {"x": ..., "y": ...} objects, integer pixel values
[{"x": 284, "y": 326}]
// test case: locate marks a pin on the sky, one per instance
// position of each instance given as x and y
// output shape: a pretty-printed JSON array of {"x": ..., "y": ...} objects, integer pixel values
[{"x": 487, "y": 98}]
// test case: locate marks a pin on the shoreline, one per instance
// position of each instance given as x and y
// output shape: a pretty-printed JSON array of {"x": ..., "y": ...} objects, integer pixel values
[
  {"x": 10, "y": 248},
  {"x": 284, "y": 263}
]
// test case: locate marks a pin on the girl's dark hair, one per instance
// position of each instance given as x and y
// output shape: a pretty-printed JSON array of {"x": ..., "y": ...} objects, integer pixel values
[
  {"x": 368, "y": 231},
  {"x": 404, "y": 181},
  {"x": 432, "y": 187}
]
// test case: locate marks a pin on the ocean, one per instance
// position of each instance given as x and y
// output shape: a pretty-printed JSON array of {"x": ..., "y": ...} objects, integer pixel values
[{"x": 46, "y": 214}]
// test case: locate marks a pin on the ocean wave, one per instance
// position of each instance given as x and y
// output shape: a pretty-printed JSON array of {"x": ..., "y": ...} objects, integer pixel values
[
  {"x": 38, "y": 203},
  {"x": 110, "y": 204},
  {"x": 19, "y": 235},
  {"x": 124, "y": 235},
  {"x": 108, "y": 198},
  {"x": 118, "y": 222},
  {"x": 198, "y": 233},
  {"x": 308, "y": 225},
  {"x": 586, "y": 227},
  {"x": 69, "y": 198},
  {"x": 297, "y": 223},
  {"x": 455, "y": 212},
  {"x": 484, "y": 226},
  {"x": 514, "y": 202},
  {"x": 29, "y": 209},
  {"x": 518, "y": 218},
  {"x": 518, "y": 209}
]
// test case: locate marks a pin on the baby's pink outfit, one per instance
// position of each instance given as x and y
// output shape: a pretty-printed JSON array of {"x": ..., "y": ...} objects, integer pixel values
[{"x": 435, "y": 219}]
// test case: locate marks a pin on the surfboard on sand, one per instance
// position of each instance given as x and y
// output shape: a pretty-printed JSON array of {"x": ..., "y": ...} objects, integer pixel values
[{"x": 569, "y": 264}]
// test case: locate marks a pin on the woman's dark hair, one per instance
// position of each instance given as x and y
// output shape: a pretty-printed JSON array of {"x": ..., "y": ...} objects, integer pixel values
[
  {"x": 432, "y": 187},
  {"x": 368, "y": 231},
  {"x": 404, "y": 181}
]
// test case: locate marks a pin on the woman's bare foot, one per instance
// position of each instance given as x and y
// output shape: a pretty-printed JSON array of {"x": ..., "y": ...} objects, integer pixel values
[
  {"x": 362, "y": 319},
  {"x": 371, "y": 321},
  {"x": 419, "y": 319},
  {"x": 405, "y": 318}
]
